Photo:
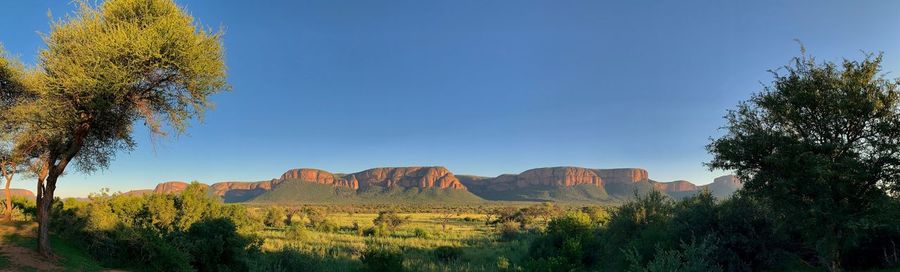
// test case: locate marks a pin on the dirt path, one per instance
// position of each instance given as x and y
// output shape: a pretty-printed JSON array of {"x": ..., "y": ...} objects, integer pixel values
[{"x": 20, "y": 258}]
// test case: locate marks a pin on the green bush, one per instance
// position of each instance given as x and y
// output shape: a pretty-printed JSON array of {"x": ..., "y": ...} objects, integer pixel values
[
  {"x": 447, "y": 253},
  {"x": 421, "y": 233},
  {"x": 286, "y": 260},
  {"x": 214, "y": 245},
  {"x": 377, "y": 231},
  {"x": 382, "y": 258}
]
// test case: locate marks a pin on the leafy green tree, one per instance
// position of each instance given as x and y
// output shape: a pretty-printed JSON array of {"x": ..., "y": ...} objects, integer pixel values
[
  {"x": 390, "y": 219},
  {"x": 12, "y": 93},
  {"x": 819, "y": 145},
  {"x": 106, "y": 67}
]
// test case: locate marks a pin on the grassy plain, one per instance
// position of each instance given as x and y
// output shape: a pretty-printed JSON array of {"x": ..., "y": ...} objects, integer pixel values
[{"x": 480, "y": 246}]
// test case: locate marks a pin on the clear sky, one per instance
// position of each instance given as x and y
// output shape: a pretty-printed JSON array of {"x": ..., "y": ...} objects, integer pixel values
[{"x": 481, "y": 87}]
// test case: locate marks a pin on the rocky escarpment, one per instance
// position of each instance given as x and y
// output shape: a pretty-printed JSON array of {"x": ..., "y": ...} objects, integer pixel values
[
  {"x": 406, "y": 177},
  {"x": 539, "y": 184},
  {"x": 727, "y": 184},
  {"x": 21, "y": 193},
  {"x": 675, "y": 186},
  {"x": 622, "y": 175},
  {"x": 538, "y": 177},
  {"x": 172, "y": 187}
]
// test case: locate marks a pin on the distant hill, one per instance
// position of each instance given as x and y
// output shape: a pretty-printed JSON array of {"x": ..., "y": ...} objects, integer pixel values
[
  {"x": 297, "y": 191},
  {"x": 436, "y": 184},
  {"x": 20, "y": 193}
]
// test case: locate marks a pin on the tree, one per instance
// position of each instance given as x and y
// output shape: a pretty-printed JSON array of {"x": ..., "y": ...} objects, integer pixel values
[
  {"x": 106, "y": 67},
  {"x": 390, "y": 219},
  {"x": 820, "y": 146},
  {"x": 12, "y": 93}
]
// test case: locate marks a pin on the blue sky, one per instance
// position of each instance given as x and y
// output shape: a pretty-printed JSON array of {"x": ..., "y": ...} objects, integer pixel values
[{"x": 481, "y": 87}]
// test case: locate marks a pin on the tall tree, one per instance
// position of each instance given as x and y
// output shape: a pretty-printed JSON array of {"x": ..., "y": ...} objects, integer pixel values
[
  {"x": 821, "y": 145},
  {"x": 106, "y": 67},
  {"x": 12, "y": 93}
]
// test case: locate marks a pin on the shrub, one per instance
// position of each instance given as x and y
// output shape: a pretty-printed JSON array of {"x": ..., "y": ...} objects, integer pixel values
[
  {"x": 295, "y": 231},
  {"x": 377, "y": 231},
  {"x": 382, "y": 258},
  {"x": 421, "y": 233},
  {"x": 389, "y": 219},
  {"x": 274, "y": 217},
  {"x": 286, "y": 260},
  {"x": 509, "y": 230},
  {"x": 214, "y": 245},
  {"x": 447, "y": 253}
]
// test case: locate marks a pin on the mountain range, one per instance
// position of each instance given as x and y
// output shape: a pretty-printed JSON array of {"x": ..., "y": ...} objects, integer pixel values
[{"x": 436, "y": 184}]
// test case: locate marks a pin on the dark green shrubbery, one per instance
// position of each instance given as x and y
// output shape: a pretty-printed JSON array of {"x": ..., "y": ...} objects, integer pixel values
[
  {"x": 382, "y": 258},
  {"x": 699, "y": 233},
  {"x": 161, "y": 232},
  {"x": 447, "y": 253}
]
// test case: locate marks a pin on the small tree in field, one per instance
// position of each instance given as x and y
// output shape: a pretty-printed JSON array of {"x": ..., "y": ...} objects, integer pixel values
[
  {"x": 105, "y": 68},
  {"x": 389, "y": 219},
  {"x": 821, "y": 146}
]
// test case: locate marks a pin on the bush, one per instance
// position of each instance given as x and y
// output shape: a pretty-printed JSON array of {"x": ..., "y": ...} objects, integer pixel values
[
  {"x": 286, "y": 260},
  {"x": 274, "y": 217},
  {"x": 295, "y": 232},
  {"x": 389, "y": 219},
  {"x": 378, "y": 258},
  {"x": 509, "y": 230},
  {"x": 447, "y": 253},
  {"x": 377, "y": 231},
  {"x": 214, "y": 245},
  {"x": 421, "y": 233}
]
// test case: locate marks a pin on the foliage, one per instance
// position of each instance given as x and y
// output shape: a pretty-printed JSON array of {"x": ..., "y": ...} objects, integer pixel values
[
  {"x": 146, "y": 232},
  {"x": 382, "y": 258},
  {"x": 447, "y": 253},
  {"x": 214, "y": 245},
  {"x": 274, "y": 217},
  {"x": 390, "y": 219},
  {"x": 819, "y": 146}
]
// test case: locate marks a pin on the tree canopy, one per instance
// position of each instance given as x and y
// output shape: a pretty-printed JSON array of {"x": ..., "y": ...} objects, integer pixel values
[{"x": 821, "y": 145}]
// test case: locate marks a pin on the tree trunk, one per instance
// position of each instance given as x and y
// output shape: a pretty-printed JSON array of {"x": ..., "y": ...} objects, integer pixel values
[
  {"x": 8, "y": 199},
  {"x": 45, "y": 203},
  {"x": 9, "y": 176}
]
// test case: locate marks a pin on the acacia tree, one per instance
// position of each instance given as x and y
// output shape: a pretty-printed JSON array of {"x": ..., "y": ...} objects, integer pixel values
[
  {"x": 106, "y": 67},
  {"x": 12, "y": 92},
  {"x": 820, "y": 145}
]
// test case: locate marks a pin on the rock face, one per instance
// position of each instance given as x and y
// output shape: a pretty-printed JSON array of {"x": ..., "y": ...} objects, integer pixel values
[
  {"x": 676, "y": 186},
  {"x": 21, "y": 193},
  {"x": 407, "y": 177},
  {"x": 318, "y": 176},
  {"x": 622, "y": 175},
  {"x": 725, "y": 184},
  {"x": 172, "y": 187},
  {"x": 538, "y": 177},
  {"x": 138, "y": 192}
]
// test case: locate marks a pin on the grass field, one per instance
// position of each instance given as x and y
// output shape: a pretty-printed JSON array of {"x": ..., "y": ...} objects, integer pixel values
[{"x": 480, "y": 247}]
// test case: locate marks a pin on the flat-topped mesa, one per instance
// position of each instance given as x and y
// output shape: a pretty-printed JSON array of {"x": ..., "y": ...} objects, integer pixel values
[
  {"x": 171, "y": 187},
  {"x": 726, "y": 183},
  {"x": 622, "y": 175},
  {"x": 13, "y": 192},
  {"x": 563, "y": 176},
  {"x": 560, "y": 176},
  {"x": 318, "y": 176},
  {"x": 406, "y": 177},
  {"x": 676, "y": 186},
  {"x": 221, "y": 188}
]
